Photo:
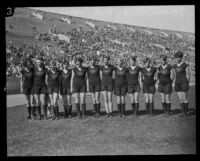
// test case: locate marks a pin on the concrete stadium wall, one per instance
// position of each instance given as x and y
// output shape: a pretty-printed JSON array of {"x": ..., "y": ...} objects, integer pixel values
[{"x": 13, "y": 85}]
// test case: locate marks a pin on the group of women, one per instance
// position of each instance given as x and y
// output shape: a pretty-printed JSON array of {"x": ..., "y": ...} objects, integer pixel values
[{"x": 43, "y": 86}]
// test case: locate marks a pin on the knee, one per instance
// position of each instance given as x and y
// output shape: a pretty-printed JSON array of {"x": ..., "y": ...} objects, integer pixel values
[
  {"x": 163, "y": 99},
  {"x": 82, "y": 101},
  {"x": 37, "y": 102},
  {"x": 136, "y": 100},
  {"x": 167, "y": 100},
  {"x": 147, "y": 100}
]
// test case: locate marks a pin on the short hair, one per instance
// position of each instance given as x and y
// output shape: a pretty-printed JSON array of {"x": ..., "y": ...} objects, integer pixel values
[
  {"x": 134, "y": 58},
  {"x": 163, "y": 57},
  {"x": 52, "y": 63},
  {"x": 145, "y": 60},
  {"x": 178, "y": 54},
  {"x": 24, "y": 64}
]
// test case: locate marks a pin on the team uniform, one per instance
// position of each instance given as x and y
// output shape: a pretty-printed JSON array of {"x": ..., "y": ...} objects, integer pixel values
[
  {"x": 65, "y": 86},
  {"x": 148, "y": 82},
  {"x": 79, "y": 81},
  {"x": 181, "y": 81},
  {"x": 53, "y": 82},
  {"x": 133, "y": 85},
  {"x": 107, "y": 80},
  {"x": 132, "y": 79},
  {"x": 27, "y": 81},
  {"x": 94, "y": 79},
  {"x": 39, "y": 85},
  {"x": 65, "y": 82},
  {"x": 120, "y": 86},
  {"x": 165, "y": 82}
]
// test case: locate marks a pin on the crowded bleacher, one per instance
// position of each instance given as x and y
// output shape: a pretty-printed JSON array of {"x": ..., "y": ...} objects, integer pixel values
[{"x": 98, "y": 42}]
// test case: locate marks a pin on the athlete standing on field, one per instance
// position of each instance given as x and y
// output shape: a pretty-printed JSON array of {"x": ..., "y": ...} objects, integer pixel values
[
  {"x": 66, "y": 89},
  {"x": 165, "y": 79},
  {"x": 94, "y": 83},
  {"x": 53, "y": 84},
  {"x": 107, "y": 85},
  {"x": 182, "y": 79},
  {"x": 134, "y": 83},
  {"x": 120, "y": 86},
  {"x": 26, "y": 84},
  {"x": 149, "y": 78},
  {"x": 79, "y": 77},
  {"x": 39, "y": 86}
]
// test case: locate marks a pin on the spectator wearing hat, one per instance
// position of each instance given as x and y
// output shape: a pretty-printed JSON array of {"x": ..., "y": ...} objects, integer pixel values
[
  {"x": 120, "y": 86},
  {"x": 39, "y": 86},
  {"x": 182, "y": 79},
  {"x": 53, "y": 84},
  {"x": 79, "y": 85},
  {"x": 149, "y": 77},
  {"x": 66, "y": 89},
  {"x": 94, "y": 84},
  {"x": 107, "y": 73},
  {"x": 26, "y": 84},
  {"x": 165, "y": 79},
  {"x": 134, "y": 84}
]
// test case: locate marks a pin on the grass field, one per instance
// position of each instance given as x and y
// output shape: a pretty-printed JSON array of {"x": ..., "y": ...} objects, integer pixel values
[{"x": 102, "y": 136}]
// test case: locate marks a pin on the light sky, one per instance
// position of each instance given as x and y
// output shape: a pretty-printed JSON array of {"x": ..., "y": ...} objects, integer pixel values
[{"x": 172, "y": 17}]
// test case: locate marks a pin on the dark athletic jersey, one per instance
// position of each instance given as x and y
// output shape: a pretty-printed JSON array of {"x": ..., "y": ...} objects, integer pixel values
[
  {"x": 79, "y": 75},
  {"x": 120, "y": 77},
  {"x": 53, "y": 78},
  {"x": 149, "y": 76},
  {"x": 39, "y": 77},
  {"x": 94, "y": 75},
  {"x": 132, "y": 75},
  {"x": 65, "y": 79},
  {"x": 107, "y": 75},
  {"x": 164, "y": 74},
  {"x": 180, "y": 73},
  {"x": 27, "y": 78}
]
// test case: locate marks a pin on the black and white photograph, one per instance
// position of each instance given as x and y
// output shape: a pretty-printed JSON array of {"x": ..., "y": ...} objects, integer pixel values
[{"x": 100, "y": 80}]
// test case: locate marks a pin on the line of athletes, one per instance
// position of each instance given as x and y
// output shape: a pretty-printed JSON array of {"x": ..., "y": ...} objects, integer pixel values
[{"x": 41, "y": 84}]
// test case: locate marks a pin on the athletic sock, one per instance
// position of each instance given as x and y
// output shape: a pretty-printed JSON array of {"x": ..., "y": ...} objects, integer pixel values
[
  {"x": 164, "y": 107},
  {"x": 168, "y": 105},
  {"x": 66, "y": 111},
  {"x": 70, "y": 110},
  {"x": 29, "y": 112},
  {"x": 78, "y": 109},
  {"x": 136, "y": 108},
  {"x": 83, "y": 109},
  {"x": 147, "y": 107},
  {"x": 123, "y": 109},
  {"x": 133, "y": 108},
  {"x": 182, "y": 108},
  {"x": 98, "y": 109},
  {"x": 95, "y": 109},
  {"x": 186, "y": 107}
]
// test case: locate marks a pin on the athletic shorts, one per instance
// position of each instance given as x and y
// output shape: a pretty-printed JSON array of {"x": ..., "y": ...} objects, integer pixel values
[
  {"x": 52, "y": 90},
  {"x": 94, "y": 88},
  {"x": 181, "y": 87},
  {"x": 79, "y": 88},
  {"x": 166, "y": 89},
  {"x": 65, "y": 91},
  {"x": 120, "y": 91},
  {"x": 134, "y": 88},
  {"x": 107, "y": 88},
  {"x": 27, "y": 90},
  {"x": 149, "y": 89},
  {"x": 39, "y": 90}
]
